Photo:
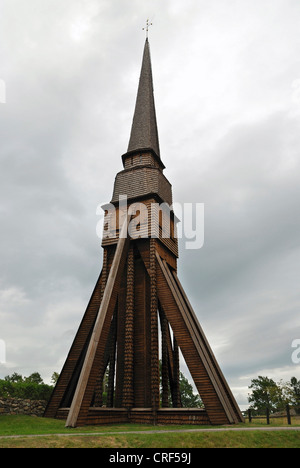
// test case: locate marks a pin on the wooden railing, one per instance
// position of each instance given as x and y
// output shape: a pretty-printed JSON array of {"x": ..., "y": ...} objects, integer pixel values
[{"x": 268, "y": 415}]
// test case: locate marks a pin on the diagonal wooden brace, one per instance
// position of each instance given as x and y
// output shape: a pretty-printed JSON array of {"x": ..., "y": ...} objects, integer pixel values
[{"x": 107, "y": 304}]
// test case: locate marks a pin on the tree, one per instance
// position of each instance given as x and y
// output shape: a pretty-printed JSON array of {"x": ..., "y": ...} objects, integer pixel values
[
  {"x": 14, "y": 378},
  {"x": 34, "y": 378},
  {"x": 32, "y": 387},
  {"x": 294, "y": 387},
  {"x": 188, "y": 398},
  {"x": 54, "y": 378},
  {"x": 265, "y": 394}
]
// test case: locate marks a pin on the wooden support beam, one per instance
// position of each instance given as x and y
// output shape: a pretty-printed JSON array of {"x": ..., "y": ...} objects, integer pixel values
[
  {"x": 68, "y": 378},
  {"x": 106, "y": 304},
  {"x": 176, "y": 397},
  {"x": 209, "y": 351},
  {"x": 206, "y": 359},
  {"x": 207, "y": 379},
  {"x": 112, "y": 343},
  {"x": 164, "y": 359}
]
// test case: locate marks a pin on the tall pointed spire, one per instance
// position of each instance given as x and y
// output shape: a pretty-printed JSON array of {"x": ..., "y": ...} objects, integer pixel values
[{"x": 144, "y": 134}]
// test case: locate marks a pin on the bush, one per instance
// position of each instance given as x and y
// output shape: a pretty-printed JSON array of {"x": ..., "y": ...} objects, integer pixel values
[
  {"x": 27, "y": 388},
  {"x": 6, "y": 389}
]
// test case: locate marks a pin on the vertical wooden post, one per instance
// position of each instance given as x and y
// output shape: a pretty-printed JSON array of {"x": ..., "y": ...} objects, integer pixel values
[
  {"x": 128, "y": 394},
  {"x": 154, "y": 330},
  {"x": 288, "y": 415},
  {"x": 177, "y": 402},
  {"x": 249, "y": 415},
  {"x": 164, "y": 360},
  {"x": 112, "y": 361},
  {"x": 268, "y": 415}
]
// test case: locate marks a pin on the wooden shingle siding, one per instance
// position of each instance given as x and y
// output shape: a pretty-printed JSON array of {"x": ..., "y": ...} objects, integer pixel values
[{"x": 141, "y": 181}]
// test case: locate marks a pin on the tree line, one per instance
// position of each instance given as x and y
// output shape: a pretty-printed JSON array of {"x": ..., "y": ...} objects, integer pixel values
[
  {"x": 265, "y": 392},
  {"x": 274, "y": 396},
  {"x": 27, "y": 388}
]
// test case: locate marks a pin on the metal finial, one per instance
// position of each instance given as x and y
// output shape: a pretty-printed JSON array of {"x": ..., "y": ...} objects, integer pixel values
[{"x": 148, "y": 24}]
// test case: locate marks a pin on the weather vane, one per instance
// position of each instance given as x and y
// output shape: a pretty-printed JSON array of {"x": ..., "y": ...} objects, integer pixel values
[{"x": 148, "y": 24}]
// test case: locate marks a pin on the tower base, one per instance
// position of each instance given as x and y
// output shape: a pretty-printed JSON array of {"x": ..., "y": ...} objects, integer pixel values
[
  {"x": 154, "y": 288},
  {"x": 163, "y": 416}
]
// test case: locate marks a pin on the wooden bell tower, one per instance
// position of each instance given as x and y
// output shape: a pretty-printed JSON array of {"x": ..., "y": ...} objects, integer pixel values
[{"x": 138, "y": 301}]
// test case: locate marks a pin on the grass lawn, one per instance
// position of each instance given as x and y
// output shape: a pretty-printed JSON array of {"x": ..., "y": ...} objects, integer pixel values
[{"x": 107, "y": 436}]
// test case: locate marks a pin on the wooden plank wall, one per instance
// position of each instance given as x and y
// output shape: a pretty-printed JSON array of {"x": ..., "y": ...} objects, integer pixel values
[
  {"x": 164, "y": 416},
  {"x": 142, "y": 338}
]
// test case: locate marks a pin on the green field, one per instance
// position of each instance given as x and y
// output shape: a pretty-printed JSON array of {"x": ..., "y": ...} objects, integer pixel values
[{"x": 51, "y": 433}]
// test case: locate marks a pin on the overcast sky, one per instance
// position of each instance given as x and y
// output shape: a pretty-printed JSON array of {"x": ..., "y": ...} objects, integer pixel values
[{"x": 227, "y": 93}]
